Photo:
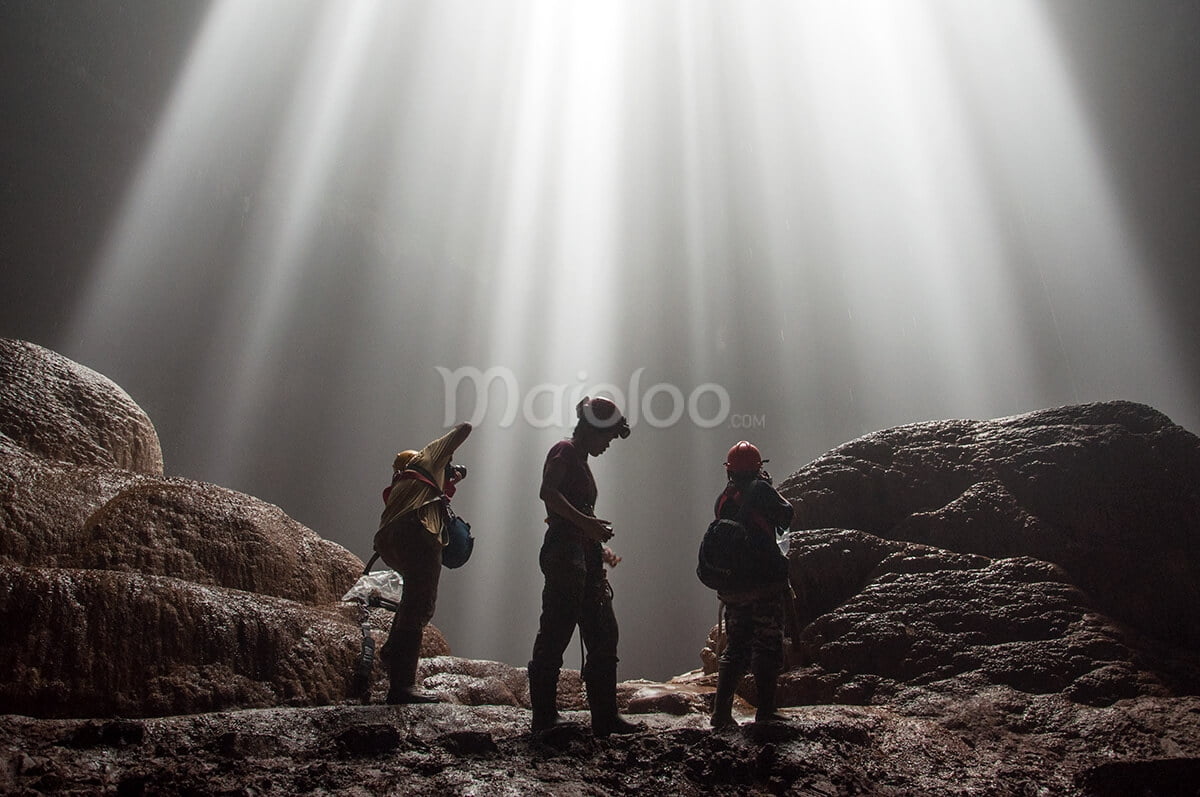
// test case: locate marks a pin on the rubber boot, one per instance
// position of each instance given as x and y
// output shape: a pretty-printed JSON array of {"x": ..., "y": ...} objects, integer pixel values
[
  {"x": 764, "y": 683},
  {"x": 543, "y": 698},
  {"x": 402, "y": 651},
  {"x": 727, "y": 681},
  {"x": 602, "y": 700}
]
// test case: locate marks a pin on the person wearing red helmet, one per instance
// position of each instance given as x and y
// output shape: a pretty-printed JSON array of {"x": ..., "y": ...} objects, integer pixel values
[
  {"x": 572, "y": 559},
  {"x": 753, "y": 613}
]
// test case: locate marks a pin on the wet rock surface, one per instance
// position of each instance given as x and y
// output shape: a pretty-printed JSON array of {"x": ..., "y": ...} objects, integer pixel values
[
  {"x": 56, "y": 515},
  {"x": 1054, "y": 552},
  {"x": 126, "y": 592},
  {"x": 1108, "y": 492},
  {"x": 53, "y": 407},
  {"x": 1000, "y": 741}
]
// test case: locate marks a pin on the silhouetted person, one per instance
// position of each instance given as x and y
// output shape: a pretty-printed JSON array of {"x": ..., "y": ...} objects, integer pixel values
[
  {"x": 410, "y": 540},
  {"x": 576, "y": 591},
  {"x": 754, "y": 614}
]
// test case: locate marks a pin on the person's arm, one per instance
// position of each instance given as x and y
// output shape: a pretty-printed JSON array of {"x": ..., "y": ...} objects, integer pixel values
[
  {"x": 557, "y": 504},
  {"x": 439, "y": 452},
  {"x": 771, "y": 505}
]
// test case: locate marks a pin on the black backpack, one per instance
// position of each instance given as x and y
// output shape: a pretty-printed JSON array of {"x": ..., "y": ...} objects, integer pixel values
[
  {"x": 729, "y": 559},
  {"x": 722, "y": 553}
]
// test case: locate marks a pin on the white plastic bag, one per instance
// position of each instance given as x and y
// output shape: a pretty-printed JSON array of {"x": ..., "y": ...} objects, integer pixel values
[{"x": 385, "y": 584}]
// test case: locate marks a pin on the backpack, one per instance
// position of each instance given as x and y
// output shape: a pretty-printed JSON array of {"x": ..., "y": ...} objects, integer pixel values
[
  {"x": 723, "y": 551},
  {"x": 729, "y": 560}
]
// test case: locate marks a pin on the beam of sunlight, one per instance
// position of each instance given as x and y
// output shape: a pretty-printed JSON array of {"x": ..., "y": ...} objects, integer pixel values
[{"x": 847, "y": 215}]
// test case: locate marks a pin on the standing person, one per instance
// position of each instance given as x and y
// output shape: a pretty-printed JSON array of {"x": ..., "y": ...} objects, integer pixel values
[
  {"x": 410, "y": 541},
  {"x": 577, "y": 592},
  {"x": 753, "y": 613}
]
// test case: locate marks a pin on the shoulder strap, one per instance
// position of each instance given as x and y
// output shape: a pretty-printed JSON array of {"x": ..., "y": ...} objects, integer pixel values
[
  {"x": 748, "y": 514},
  {"x": 418, "y": 473},
  {"x": 726, "y": 496}
]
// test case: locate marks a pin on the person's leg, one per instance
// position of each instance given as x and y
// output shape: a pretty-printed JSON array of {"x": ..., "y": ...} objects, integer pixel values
[
  {"x": 562, "y": 599},
  {"x": 414, "y": 553},
  {"x": 768, "y": 656},
  {"x": 739, "y": 629},
  {"x": 598, "y": 629}
]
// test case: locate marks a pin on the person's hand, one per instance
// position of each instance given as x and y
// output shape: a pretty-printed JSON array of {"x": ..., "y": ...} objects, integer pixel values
[
  {"x": 610, "y": 558},
  {"x": 598, "y": 530}
]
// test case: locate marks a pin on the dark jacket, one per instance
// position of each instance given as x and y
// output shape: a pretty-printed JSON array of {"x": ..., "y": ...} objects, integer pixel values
[{"x": 763, "y": 512}]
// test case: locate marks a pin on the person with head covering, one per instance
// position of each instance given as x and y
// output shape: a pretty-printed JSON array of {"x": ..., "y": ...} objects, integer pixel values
[
  {"x": 410, "y": 540},
  {"x": 576, "y": 590},
  {"x": 754, "y": 610}
]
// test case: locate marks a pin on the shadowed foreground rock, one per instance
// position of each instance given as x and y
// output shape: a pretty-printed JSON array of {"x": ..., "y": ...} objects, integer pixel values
[
  {"x": 1109, "y": 493},
  {"x": 1054, "y": 552},
  {"x": 997, "y": 742}
]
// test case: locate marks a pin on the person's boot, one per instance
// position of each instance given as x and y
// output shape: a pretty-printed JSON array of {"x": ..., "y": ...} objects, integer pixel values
[
  {"x": 764, "y": 683},
  {"x": 543, "y": 698},
  {"x": 602, "y": 700},
  {"x": 727, "y": 681},
  {"x": 401, "y": 653}
]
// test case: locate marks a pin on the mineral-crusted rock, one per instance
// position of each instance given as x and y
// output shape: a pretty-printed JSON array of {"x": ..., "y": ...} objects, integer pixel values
[
  {"x": 476, "y": 683},
  {"x": 678, "y": 697},
  {"x": 210, "y": 535},
  {"x": 81, "y": 643},
  {"x": 97, "y": 643},
  {"x": 1108, "y": 492},
  {"x": 56, "y": 515},
  {"x": 45, "y": 504},
  {"x": 925, "y": 615},
  {"x": 122, "y": 591},
  {"x": 56, "y": 408}
]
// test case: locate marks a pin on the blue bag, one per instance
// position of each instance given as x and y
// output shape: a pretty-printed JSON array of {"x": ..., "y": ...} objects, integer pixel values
[{"x": 459, "y": 542}]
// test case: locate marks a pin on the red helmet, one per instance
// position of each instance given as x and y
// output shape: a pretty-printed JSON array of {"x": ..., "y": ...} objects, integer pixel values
[
  {"x": 602, "y": 413},
  {"x": 744, "y": 457}
]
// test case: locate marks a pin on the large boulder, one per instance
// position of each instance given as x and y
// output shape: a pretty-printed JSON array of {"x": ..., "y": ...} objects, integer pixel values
[
  {"x": 56, "y": 408},
  {"x": 96, "y": 643},
  {"x": 53, "y": 514},
  {"x": 86, "y": 643},
  {"x": 1057, "y": 551},
  {"x": 126, "y": 592}
]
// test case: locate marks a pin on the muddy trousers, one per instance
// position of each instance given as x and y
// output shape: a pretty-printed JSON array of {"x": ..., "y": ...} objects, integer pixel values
[
  {"x": 576, "y": 594},
  {"x": 407, "y": 547},
  {"x": 754, "y": 639}
]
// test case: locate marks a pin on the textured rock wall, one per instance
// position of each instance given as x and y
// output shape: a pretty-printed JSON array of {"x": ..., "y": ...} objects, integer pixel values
[
  {"x": 59, "y": 409},
  {"x": 126, "y": 592},
  {"x": 102, "y": 643},
  {"x": 1057, "y": 551},
  {"x": 56, "y": 515}
]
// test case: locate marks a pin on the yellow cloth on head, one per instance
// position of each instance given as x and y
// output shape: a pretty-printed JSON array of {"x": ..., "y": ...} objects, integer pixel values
[{"x": 414, "y": 495}]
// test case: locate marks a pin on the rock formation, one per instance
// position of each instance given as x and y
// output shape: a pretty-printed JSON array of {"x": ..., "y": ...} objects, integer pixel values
[
  {"x": 58, "y": 409},
  {"x": 126, "y": 592},
  {"x": 1053, "y": 552}
]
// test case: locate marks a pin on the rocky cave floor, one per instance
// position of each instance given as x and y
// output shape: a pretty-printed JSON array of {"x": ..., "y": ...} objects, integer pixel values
[{"x": 999, "y": 742}]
